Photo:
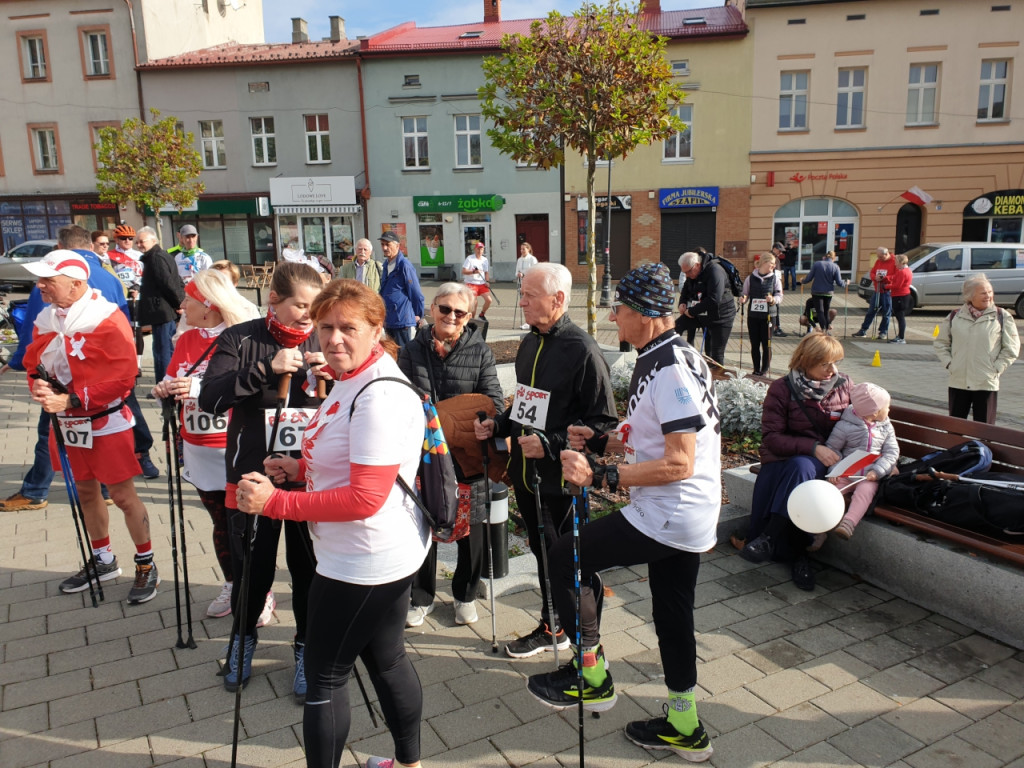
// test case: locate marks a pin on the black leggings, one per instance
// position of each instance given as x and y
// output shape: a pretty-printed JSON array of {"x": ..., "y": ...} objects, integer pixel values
[
  {"x": 717, "y": 339},
  {"x": 366, "y": 621},
  {"x": 759, "y": 329},
  {"x": 556, "y": 513},
  {"x": 672, "y": 573},
  {"x": 468, "y": 569},
  {"x": 900, "y": 306},
  {"x": 982, "y": 402},
  {"x": 214, "y": 503},
  {"x": 822, "y": 304},
  {"x": 301, "y": 565}
]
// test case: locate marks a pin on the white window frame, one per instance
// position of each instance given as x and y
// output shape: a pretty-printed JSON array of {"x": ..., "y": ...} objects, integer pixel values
[
  {"x": 466, "y": 136},
  {"x": 96, "y": 67},
  {"x": 34, "y": 51},
  {"x": 321, "y": 139},
  {"x": 413, "y": 131},
  {"x": 47, "y": 158},
  {"x": 793, "y": 96},
  {"x": 988, "y": 87},
  {"x": 262, "y": 138},
  {"x": 685, "y": 113},
  {"x": 209, "y": 140},
  {"x": 918, "y": 89},
  {"x": 848, "y": 93}
]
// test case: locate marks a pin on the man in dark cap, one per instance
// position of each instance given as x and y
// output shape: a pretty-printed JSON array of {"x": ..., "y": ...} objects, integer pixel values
[
  {"x": 188, "y": 257},
  {"x": 673, "y": 432},
  {"x": 400, "y": 288}
]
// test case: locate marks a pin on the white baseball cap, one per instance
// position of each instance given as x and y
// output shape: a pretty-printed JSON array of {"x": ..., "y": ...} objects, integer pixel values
[{"x": 60, "y": 262}]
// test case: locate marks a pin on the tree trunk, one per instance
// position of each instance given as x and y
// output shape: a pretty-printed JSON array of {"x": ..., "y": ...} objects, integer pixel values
[{"x": 591, "y": 248}]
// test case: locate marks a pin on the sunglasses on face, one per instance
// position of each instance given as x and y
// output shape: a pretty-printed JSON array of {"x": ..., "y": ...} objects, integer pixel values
[
  {"x": 124, "y": 238},
  {"x": 444, "y": 309}
]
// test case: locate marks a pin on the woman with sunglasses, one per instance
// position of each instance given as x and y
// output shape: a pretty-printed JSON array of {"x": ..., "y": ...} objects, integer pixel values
[{"x": 446, "y": 359}]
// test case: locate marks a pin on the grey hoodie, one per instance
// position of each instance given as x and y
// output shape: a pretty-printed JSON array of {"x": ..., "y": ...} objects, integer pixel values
[{"x": 852, "y": 433}]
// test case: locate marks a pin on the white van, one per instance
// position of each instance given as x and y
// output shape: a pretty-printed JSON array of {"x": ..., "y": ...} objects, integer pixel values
[{"x": 941, "y": 268}]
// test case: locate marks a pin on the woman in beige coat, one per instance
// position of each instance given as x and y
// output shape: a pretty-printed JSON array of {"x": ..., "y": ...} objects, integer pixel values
[{"x": 976, "y": 343}]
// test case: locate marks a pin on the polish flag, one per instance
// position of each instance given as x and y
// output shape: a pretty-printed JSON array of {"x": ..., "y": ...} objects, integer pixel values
[
  {"x": 853, "y": 465},
  {"x": 917, "y": 195}
]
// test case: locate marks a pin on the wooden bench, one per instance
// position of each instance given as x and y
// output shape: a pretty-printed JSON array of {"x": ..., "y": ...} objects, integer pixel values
[{"x": 920, "y": 433}]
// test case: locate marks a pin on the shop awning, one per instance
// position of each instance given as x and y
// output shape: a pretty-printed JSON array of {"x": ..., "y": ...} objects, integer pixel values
[{"x": 284, "y": 210}]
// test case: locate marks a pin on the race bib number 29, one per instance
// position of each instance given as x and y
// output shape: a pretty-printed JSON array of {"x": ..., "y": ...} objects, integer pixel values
[
  {"x": 759, "y": 305},
  {"x": 289, "y": 433},
  {"x": 530, "y": 407}
]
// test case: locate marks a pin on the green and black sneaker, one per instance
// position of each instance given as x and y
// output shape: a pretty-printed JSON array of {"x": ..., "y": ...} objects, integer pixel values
[
  {"x": 660, "y": 734},
  {"x": 560, "y": 689}
]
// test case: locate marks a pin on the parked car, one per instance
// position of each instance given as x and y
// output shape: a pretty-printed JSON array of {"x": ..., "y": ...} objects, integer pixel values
[
  {"x": 941, "y": 268},
  {"x": 11, "y": 271}
]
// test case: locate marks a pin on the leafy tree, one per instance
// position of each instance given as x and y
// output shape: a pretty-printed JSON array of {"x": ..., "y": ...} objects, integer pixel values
[
  {"x": 595, "y": 83},
  {"x": 152, "y": 165}
]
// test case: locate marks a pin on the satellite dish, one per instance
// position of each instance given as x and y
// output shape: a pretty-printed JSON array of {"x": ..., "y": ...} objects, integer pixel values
[{"x": 237, "y": 4}]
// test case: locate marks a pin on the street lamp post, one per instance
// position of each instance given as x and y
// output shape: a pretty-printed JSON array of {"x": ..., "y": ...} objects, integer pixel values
[{"x": 606, "y": 281}]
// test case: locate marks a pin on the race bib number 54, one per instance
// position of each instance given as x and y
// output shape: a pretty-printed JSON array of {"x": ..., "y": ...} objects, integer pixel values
[
  {"x": 530, "y": 407},
  {"x": 289, "y": 433}
]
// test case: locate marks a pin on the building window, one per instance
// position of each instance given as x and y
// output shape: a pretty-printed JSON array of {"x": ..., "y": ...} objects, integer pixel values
[
  {"x": 96, "y": 52},
  {"x": 45, "y": 147},
  {"x": 211, "y": 137},
  {"x": 922, "y": 94},
  {"x": 850, "y": 98},
  {"x": 414, "y": 142},
  {"x": 94, "y": 132},
  {"x": 34, "y": 55},
  {"x": 680, "y": 146},
  {"x": 318, "y": 139},
  {"x": 992, "y": 93},
  {"x": 264, "y": 145},
  {"x": 467, "y": 141},
  {"x": 793, "y": 101}
]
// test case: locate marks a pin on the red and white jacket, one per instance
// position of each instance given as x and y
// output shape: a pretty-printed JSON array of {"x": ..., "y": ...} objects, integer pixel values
[
  {"x": 188, "y": 349},
  {"x": 89, "y": 348}
]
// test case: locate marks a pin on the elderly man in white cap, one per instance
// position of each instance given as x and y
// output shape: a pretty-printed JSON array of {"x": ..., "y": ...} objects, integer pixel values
[
  {"x": 188, "y": 257},
  {"x": 82, "y": 366}
]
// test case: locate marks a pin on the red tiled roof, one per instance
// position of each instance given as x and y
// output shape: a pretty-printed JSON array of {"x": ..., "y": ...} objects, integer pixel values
[
  {"x": 405, "y": 38},
  {"x": 235, "y": 54}
]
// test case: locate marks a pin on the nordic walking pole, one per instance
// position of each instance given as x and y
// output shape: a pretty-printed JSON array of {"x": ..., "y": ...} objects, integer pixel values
[
  {"x": 169, "y": 414},
  {"x": 190, "y": 643},
  {"x": 516, "y": 309},
  {"x": 846, "y": 308},
  {"x": 283, "y": 384},
  {"x": 77, "y": 513},
  {"x": 577, "y": 494},
  {"x": 769, "y": 362},
  {"x": 535, "y": 481},
  {"x": 743, "y": 329},
  {"x": 482, "y": 416}
]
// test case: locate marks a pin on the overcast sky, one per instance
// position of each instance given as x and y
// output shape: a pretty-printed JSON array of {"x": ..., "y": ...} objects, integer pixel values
[{"x": 367, "y": 18}]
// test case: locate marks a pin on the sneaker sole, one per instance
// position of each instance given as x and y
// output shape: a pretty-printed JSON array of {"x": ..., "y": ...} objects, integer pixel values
[
  {"x": 694, "y": 756},
  {"x": 103, "y": 577},
  {"x": 147, "y": 598},
  {"x": 561, "y": 646},
  {"x": 597, "y": 706},
  {"x": 218, "y": 614},
  {"x": 24, "y": 506}
]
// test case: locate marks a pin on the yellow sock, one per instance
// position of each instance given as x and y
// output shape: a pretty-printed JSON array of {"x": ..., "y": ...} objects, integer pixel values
[{"x": 682, "y": 711}]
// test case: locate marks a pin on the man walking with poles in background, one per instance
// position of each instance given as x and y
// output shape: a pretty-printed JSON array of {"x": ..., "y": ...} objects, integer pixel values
[
  {"x": 476, "y": 273},
  {"x": 673, "y": 470},
  {"x": 561, "y": 379}
]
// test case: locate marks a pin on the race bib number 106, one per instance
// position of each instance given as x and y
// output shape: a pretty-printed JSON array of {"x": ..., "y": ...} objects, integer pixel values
[
  {"x": 289, "y": 433},
  {"x": 530, "y": 407}
]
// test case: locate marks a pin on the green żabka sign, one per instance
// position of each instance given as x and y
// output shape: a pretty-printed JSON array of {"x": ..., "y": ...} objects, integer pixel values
[{"x": 457, "y": 203}]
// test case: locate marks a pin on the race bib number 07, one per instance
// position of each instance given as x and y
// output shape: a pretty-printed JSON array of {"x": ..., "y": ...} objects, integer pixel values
[
  {"x": 530, "y": 407},
  {"x": 77, "y": 432},
  {"x": 289, "y": 433}
]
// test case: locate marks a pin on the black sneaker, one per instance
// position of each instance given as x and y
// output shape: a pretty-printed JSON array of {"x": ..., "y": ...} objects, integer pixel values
[
  {"x": 536, "y": 642},
  {"x": 560, "y": 689},
  {"x": 780, "y": 332},
  {"x": 79, "y": 582},
  {"x": 759, "y": 550},
  {"x": 149, "y": 469},
  {"x": 803, "y": 574},
  {"x": 859, "y": 335},
  {"x": 146, "y": 581},
  {"x": 660, "y": 734}
]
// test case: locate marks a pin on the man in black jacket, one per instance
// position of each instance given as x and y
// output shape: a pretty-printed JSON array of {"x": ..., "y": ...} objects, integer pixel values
[
  {"x": 160, "y": 297},
  {"x": 715, "y": 307},
  {"x": 561, "y": 379}
]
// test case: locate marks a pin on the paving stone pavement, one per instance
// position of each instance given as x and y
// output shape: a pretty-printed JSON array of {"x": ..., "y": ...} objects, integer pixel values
[{"x": 847, "y": 675}]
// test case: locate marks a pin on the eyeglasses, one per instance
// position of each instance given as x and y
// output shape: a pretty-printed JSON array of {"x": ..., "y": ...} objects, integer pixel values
[
  {"x": 103, "y": 243},
  {"x": 615, "y": 308},
  {"x": 446, "y": 310}
]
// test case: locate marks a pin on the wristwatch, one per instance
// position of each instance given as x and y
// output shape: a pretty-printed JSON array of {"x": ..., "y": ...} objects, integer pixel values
[
  {"x": 612, "y": 476},
  {"x": 74, "y": 401}
]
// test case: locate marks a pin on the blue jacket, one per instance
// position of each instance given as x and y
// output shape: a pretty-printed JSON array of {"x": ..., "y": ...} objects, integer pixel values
[
  {"x": 99, "y": 278},
  {"x": 400, "y": 289},
  {"x": 825, "y": 274}
]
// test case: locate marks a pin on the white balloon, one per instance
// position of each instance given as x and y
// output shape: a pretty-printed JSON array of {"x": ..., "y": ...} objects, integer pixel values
[{"x": 815, "y": 506}]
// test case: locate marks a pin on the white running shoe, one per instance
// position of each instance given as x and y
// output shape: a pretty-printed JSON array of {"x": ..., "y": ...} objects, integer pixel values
[
  {"x": 222, "y": 605},
  {"x": 465, "y": 613},
  {"x": 268, "y": 611},
  {"x": 417, "y": 614}
]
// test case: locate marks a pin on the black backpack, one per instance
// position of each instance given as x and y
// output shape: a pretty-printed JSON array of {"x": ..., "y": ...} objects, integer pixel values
[
  {"x": 735, "y": 281},
  {"x": 437, "y": 491}
]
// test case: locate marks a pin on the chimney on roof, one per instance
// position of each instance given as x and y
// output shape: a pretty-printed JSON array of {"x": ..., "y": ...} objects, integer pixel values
[
  {"x": 492, "y": 11},
  {"x": 337, "y": 29},
  {"x": 300, "y": 31},
  {"x": 650, "y": 6}
]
